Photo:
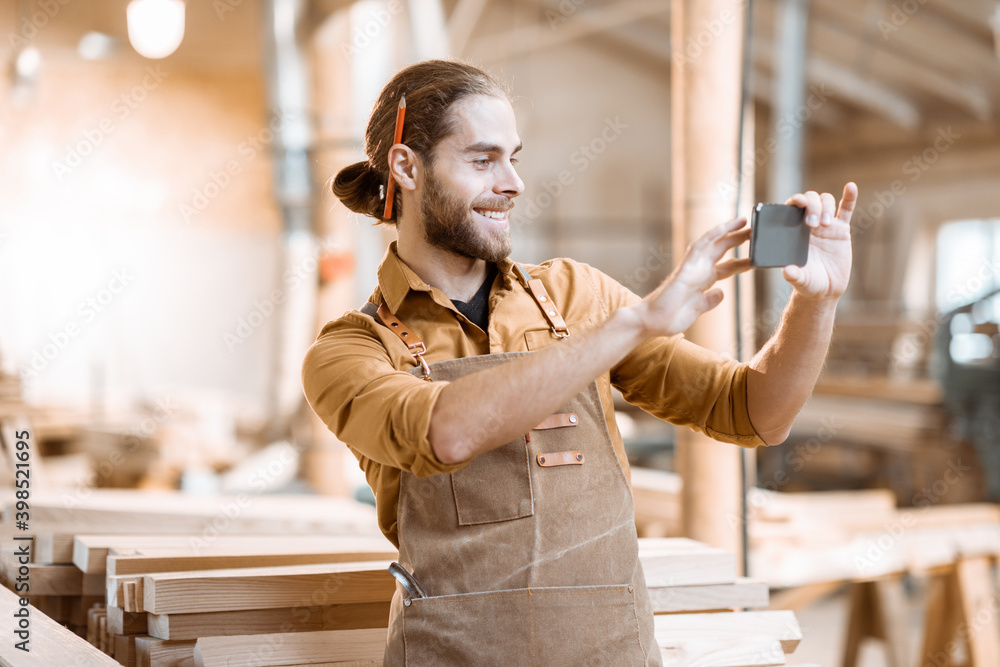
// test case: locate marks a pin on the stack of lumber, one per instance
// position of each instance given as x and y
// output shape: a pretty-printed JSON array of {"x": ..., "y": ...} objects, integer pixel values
[
  {"x": 805, "y": 538},
  {"x": 799, "y": 539},
  {"x": 300, "y": 581}
]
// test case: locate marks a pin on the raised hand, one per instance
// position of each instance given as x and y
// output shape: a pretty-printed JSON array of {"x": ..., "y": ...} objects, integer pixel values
[
  {"x": 826, "y": 273},
  {"x": 690, "y": 289}
]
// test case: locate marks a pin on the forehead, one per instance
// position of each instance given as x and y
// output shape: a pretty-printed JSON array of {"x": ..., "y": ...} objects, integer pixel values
[{"x": 480, "y": 119}]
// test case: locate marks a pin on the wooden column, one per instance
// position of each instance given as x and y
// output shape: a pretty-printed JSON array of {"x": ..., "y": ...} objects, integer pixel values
[{"x": 706, "y": 37}]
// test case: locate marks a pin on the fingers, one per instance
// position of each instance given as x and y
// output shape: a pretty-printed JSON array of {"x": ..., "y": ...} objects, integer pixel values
[
  {"x": 731, "y": 267},
  {"x": 848, "y": 202},
  {"x": 720, "y": 231},
  {"x": 829, "y": 209},
  {"x": 822, "y": 209}
]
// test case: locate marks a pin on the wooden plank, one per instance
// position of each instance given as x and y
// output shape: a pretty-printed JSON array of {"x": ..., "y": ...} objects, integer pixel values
[
  {"x": 53, "y": 548},
  {"x": 178, "y": 562},
  {"x": 295, "y": 648},
  {"x": 975, "y": 588},
  {"x": 683, "y": 562},
  {"x": 267, "y": 588},
  {"x": 121, "y": 622},
  {"x": 744, "y": 593},
  {"x": 90, "y": 552},
  {"x": 780, "y": 625},
  {"x": 125, "y": 650},
  {"x": 742, "y": 652},
  {"x": 111, "y": 511},
  {"x": 265, "y": 621},
  {"x": 53, "y": 579},
  {"x": 152, "y": 652}
]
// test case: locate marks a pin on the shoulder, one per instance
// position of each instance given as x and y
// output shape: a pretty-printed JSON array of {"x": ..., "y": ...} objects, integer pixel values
[{"x": 567, "y": 278}]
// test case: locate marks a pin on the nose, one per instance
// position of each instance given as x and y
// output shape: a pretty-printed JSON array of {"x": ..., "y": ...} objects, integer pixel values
[{"x": 508, "y": 182}]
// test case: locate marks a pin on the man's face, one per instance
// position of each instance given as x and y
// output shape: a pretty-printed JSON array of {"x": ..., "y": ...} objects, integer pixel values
[{"x": 469, "y": 189}]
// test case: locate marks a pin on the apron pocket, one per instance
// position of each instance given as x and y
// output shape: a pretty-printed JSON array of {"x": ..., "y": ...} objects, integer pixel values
[
  {"x": 571, "y": 625},
  {"x": 495, "y": 486}
]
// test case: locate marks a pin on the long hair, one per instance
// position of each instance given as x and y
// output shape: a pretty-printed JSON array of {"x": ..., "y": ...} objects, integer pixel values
[{"x": 431, "y": 88}]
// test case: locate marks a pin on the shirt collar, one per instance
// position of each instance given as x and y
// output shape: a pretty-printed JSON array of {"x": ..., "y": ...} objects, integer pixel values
[{"x": 396, "y": 279}]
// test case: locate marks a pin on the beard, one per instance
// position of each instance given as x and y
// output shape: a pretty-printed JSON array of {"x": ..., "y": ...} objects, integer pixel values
[{"x": 449, "y": 224}]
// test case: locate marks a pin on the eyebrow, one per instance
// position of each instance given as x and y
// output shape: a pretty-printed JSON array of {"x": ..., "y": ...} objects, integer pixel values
[{"x": 485, "y": 147}]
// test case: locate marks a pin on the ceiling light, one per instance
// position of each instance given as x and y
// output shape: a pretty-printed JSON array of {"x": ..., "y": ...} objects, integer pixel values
[
  {"x": 96, "y": 46},
  {"x": 155, "y": 27}
]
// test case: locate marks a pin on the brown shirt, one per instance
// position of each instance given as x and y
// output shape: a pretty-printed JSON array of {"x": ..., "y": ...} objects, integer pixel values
[{"x": 355, "y": 376}]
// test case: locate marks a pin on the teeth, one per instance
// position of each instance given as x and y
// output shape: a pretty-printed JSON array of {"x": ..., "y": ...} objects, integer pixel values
[{"x": 495, "y": 215}]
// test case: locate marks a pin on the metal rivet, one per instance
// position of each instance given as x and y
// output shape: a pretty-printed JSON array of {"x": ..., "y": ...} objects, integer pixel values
[
  {"x": 572, "y": 419},
  {"x": 542, "y": 298},
  {"x": 630, "y": 589},
  {"x": 406, "y": 602},
  {"x": 541, "y": 459},
  {"x": 552, "y": 313},
  {"x": 579, "y": 457}
]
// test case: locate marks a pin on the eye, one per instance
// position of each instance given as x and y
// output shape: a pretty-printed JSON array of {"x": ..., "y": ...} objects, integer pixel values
[
  {"x": 481, "y": 162},
  {"x": 514, "y": 160}
]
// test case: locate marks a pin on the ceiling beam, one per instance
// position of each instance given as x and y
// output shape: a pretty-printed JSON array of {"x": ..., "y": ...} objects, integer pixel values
[
  {"x": 562, "y": 28},
  {"x": 462, "y": 23}
]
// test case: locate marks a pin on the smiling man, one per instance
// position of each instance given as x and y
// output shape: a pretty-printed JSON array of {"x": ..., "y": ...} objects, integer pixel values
[{"x": 476, "y": 392}]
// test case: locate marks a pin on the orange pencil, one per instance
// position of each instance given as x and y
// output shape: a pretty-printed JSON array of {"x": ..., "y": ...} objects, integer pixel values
[{"x": 390, "y": 192}]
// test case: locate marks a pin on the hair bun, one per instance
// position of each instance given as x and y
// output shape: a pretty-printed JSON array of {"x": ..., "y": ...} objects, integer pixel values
[{"x": 357, "y": 186}]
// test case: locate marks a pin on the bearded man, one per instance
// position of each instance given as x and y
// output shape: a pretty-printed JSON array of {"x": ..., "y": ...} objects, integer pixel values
[{"x": 476, "y": 392}]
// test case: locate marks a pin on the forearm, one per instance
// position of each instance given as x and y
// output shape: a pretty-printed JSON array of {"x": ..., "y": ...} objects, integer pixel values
[
  {"x": 484, "y": 410},
  {"x": 784, "y": 372}
]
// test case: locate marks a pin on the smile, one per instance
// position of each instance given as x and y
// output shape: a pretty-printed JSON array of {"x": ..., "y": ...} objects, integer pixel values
[{"x": 498, "y": 216}]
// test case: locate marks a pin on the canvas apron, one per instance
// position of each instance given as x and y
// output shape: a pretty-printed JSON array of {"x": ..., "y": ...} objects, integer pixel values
[{"x": 527, "y": 555}]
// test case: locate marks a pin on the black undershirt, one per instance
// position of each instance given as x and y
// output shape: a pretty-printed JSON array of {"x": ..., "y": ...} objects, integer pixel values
[{"x": 477, "y": 309}]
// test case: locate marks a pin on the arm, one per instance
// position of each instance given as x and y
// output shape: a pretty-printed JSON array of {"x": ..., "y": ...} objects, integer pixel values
[
  {"x": 484, "y": 410},
  {"x": 785, "y": 370}
]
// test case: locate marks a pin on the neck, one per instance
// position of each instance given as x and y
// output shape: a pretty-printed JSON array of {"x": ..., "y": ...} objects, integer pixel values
[{"x": 457, "y": 276}]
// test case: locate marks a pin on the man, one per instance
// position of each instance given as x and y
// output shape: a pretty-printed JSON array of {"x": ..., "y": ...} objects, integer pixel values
[{"x": 488, "y": 439}]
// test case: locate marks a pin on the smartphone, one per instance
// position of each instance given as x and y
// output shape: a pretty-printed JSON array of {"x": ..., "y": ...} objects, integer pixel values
[{"x": 779, "y": 236}]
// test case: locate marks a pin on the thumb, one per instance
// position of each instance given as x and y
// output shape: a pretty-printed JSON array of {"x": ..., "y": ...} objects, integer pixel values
[{"x": 793, "y": 274}]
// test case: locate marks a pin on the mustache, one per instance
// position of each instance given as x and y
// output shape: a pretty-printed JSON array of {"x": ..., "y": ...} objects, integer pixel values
[{"x": 494, "y": 203}]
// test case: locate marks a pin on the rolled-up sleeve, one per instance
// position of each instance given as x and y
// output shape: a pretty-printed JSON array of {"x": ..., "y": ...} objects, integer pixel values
[
  {"x": 674, "y": 379},
  {"x": 380, "y": 412}
]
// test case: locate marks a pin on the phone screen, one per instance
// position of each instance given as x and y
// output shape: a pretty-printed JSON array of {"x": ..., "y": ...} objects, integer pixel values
[{"x": 779, "y": 236}]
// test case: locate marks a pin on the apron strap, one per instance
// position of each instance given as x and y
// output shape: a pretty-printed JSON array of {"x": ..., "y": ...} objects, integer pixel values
[
  {"x": 544, "y": 302},
  {"x": 417, "y": 347},
  {"x": 410, "y": 339}
]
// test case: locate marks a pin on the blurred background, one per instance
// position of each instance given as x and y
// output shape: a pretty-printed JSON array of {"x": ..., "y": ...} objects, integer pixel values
[{"x": 169, "y": 246}]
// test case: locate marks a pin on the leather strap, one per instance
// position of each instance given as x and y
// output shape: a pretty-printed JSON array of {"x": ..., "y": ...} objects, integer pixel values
[
  {"x": 418, "y": 349},
  {"x": 544, "y": 302},
  {"x": 558, "y": 421},
  {"x": 553, "y": 459},
  {"x": 410, "y": 339}
]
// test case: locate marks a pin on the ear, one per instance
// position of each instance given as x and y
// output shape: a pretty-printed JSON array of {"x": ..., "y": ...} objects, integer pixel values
[{"x": 405, "y": 166}]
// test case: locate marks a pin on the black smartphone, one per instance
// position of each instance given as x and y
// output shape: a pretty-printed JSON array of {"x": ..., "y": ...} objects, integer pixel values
[{"x": 779, "y": 236}]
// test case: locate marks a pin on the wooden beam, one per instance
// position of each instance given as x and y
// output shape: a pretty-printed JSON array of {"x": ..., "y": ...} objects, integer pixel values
[
  {"x": 296, "y": 648},
  {"x": 742, "y": 651},
  {"x": 150, "y": 652},
  {"x": 779, "y": 625},
  {"x": 264, "y": 621},
  {"x": 742, "y": 594},
  {"x": 50, "y": 643},
  {"x": 90, "y": 552},
  {"x": 177, "y": 562},
  {"x": 684, "y": 562},
  {"x": 582, "y": 23},
  {"x": 267, "y": 588},
  {"x": 462, "y": 23},
  {"x": 705, "y": 116}
]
